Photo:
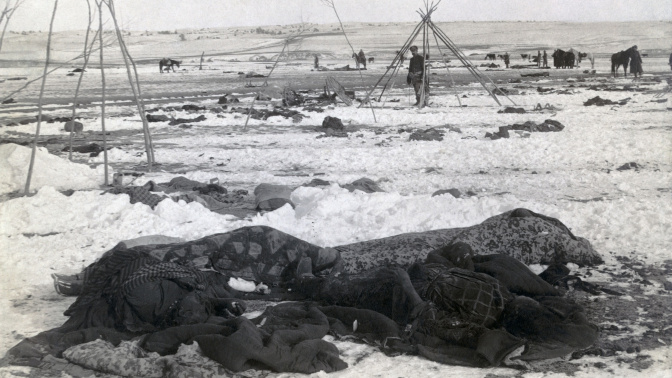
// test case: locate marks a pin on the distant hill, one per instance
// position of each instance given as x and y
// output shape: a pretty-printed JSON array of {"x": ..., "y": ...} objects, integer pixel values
[{"x": 375, "y": 39}]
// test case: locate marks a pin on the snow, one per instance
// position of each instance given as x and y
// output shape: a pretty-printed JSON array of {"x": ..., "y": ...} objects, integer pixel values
[{"x": 571, "y": 175}]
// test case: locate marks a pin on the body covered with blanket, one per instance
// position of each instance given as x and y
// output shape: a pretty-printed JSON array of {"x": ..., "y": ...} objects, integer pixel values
[{"x": 457, "y": 296}]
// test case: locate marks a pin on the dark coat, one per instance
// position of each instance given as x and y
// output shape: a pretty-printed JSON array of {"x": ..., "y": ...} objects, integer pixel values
[{"x": 635, "y": 62}]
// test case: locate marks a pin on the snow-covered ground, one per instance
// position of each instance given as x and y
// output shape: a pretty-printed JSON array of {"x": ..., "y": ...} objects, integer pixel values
[{"x": 571, "y": 175}]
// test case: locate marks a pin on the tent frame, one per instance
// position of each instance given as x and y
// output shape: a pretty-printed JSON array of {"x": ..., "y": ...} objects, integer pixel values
[{"x": 426, "y": 25}]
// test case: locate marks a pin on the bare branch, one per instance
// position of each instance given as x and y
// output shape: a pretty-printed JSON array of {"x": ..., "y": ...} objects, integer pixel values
[{"x": 7, "y": 13}]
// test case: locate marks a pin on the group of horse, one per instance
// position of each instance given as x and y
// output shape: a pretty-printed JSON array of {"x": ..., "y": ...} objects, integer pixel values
[{"x": 561, "y": 59}]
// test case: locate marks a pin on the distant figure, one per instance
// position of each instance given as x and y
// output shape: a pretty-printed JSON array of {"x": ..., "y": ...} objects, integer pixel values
[
  {"x": 362, "y": 57},
  {"x": 636, "y": 62},
  {"x": 416, "y": 77},
  {"x": 506, "y": 59},
  {"x": 317, "y": 62},
  {"x": 545, "y": 60},
  {"x": 538, "y": 58},
  {"x": 670, "y": 61}
]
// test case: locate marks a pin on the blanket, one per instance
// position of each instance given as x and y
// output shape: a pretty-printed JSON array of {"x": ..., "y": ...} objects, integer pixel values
[{"x": 472, "y": 302}]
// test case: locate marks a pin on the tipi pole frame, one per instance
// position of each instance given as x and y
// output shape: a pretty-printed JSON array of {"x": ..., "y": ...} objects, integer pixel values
[{"x": 396, "y": 61}]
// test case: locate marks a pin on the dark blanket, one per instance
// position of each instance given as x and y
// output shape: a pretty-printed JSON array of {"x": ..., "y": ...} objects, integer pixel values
[{"x": 257, "y": 253}]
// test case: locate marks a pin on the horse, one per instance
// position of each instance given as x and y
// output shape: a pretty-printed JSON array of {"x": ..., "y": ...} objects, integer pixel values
[
  {"x": 360, "y": 58},
  {"x": 580, "y": 55},
  {"x": 621, "y": 58},
  {"x": 490, "y": 57},
  {"x": 169, "y": 63},
  {"x": 563, "y": 59},
  {"x": 569, "y": 58}
]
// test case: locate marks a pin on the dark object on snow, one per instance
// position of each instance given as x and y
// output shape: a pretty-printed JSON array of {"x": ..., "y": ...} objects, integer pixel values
[
  {"x": 93, "y": 149},
  {"x": 548, "y": 125},
  {"x": 157, "y": 118},
  {"x": 9, "y": 101},
  {"x": 332, "y": 123},
  {"x": 78, "y": 70},
  {"x": 138, "y": 194},
  {"x": 291, "y": 98},
  {"x": 317, "y": 183},
  {"x": 178, "y": 121},
  {"x": 70, "y": 74},
  {"x": 190, "y": 107},
  {"x": 510, "y": 109},
  {"x": 502, "y": 133},
  {"x": 536, "y": 74},
  {"x": 597, "y": 101},
  {"x": 626, "y": 166},
  {"x": 78, "y": 126},
  {"x": 430, "y": 134},
  {"x": 364, "y": 184},
  {"x": 453, "y": 192}
]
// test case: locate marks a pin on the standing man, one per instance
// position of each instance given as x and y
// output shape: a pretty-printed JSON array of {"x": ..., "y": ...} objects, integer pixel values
[
  {"x": 416, "y": 77},
  {"x": 506, "y": 59},
  {"x": 670, "y": 62},
  {"x": 538, "y": 58},
  {"x": 636, "y": 62},
  {"x": 545, "y": 60},
  {"x": 317, "y": 62}
]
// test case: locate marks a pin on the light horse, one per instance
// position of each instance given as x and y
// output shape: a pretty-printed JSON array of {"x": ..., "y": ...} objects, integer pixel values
[
  {"x": 621, "y": 58},
  {"x": 360, "y": 58},
  {"x": 168, "y": 64},
  {"x": 580, "y": 55}
]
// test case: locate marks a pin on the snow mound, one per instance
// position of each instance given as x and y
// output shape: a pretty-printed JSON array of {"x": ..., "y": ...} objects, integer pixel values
[{"x": 49, "y": 170}]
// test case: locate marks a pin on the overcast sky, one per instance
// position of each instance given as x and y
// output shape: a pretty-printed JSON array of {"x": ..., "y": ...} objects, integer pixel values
[{"x": 179, "y": 14}]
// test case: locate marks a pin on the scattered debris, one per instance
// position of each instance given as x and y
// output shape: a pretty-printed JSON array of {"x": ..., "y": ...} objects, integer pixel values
[
  {"x": 431, "y": 134},
  {"x": 510, "y": 109},
  {"x": 597, "y": 101},
  {"x": 627, "y": 166}
]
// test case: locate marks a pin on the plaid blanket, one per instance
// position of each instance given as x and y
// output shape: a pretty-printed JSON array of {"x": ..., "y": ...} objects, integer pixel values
[{"x": 476, "y": 297}]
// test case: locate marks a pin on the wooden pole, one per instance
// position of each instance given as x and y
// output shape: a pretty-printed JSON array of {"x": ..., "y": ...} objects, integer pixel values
[
  {"x": 102, "y": 79},
  {"x": 200, "y": 65},
  {"x": 79, "y": 82},
  {"x": 135, "y": 87},
  {"x": 39, "y": 103}
]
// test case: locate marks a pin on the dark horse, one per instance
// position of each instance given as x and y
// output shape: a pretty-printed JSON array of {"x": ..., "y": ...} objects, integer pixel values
[
  {"x": 563, "y": 59},
  {"x": 168, "y": 64},
  {"x": 621, "y": 58},
  {"x": 360, "y": 58}
]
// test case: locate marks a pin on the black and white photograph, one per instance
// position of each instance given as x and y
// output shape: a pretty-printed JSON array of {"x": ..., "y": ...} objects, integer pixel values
[{"x": 336, "y": 188}]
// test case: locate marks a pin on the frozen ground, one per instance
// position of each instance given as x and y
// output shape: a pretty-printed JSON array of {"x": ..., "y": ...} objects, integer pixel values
[{"x": 572, "y": 175}]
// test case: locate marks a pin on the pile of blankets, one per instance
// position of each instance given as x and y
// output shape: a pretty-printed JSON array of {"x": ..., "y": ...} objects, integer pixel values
[{"x": 457, "y": 296}]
